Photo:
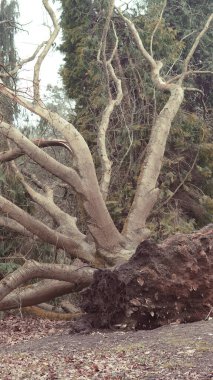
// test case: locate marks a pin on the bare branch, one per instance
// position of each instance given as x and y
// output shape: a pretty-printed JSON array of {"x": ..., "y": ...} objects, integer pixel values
[
  {"x": 101, "y": 139},
  {"x": 47, "y": 47},
  {"x": 156, "y": 66},
  {"x": 20, "y": 64},
  {"x": 100, "y": 222},
  {"x": 102, "y": 49},
  {"x": 156, "y": 27},
  {"x": 191, "y": 72},
  {"x": 194, "y": 47},
  {"x": 138, "y": 40},
  {"x": 14, "y": 153}
]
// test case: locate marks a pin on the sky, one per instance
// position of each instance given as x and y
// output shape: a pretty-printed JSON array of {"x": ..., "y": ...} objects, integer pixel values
[{"x": 33, "y": 17}]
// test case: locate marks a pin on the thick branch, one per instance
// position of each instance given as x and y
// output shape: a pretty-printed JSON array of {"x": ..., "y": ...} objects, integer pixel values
[
  {"x": 14, "y": 226},
  {"x": 32, "y": 269},
  {"x": 146, "y": 192},
  {"x": 42, "y": 291},
  {"x": 100, "y": 223}
]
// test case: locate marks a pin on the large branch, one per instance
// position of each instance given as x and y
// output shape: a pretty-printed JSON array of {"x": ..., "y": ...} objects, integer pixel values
[
  {"x": 14, "y": 226},
  {"x": 46, "y": 234},
  {"x": 146, "y": 192},
  {"x": 32, "y": 269},
  {"x": 42, "y": 291}
]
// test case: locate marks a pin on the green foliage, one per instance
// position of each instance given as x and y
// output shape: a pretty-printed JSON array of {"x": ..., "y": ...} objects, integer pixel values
[
  {"x": 9, "y": 12},
  {"x": 170, "y": 222},
  {"x": 6, "y": 268},
  {"x": 13, "y": 190}
]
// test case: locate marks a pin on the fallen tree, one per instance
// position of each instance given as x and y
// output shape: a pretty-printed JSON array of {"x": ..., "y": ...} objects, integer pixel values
[{"x": 100, "y": 244}]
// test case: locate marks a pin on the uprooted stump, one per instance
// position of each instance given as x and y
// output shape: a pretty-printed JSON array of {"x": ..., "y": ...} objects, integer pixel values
[{"x": 160, "y": 284}]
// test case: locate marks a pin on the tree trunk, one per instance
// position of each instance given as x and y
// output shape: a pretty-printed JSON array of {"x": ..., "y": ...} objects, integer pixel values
[{"x": 160, "y": 284}]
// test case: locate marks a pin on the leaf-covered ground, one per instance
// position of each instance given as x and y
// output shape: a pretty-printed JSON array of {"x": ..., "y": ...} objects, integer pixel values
[{"x": 39, "y": 349}]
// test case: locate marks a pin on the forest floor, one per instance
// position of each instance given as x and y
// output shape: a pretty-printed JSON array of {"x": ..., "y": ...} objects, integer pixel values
[{"x": 32, "y": 348}]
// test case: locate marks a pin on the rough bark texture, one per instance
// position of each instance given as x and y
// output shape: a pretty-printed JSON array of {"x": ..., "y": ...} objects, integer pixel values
[{"x": 161, "y": 284}]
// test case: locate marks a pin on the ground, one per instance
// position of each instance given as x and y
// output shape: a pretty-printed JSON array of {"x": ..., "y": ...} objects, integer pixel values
[{"x": 33, "y": 348}]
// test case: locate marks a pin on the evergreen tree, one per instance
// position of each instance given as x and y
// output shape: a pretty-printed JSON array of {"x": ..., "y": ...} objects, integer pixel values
[
  {"x": 8, "y": 16},
  {"x": 8, "y": 185}
]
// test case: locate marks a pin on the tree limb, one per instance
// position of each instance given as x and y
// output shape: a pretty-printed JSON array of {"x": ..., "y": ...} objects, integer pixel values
[
  {"x": 14, "y": 226},
  {"x": 45, "y": 233},
  {"x": 68, "y": 175},
  {"x": 194, "y": 47},
  {"x": 20, "y": 64},
  {"x": 101, "y": 139},
  {"x": 156, "y": 27},
  {"x": 33, "y": 269},
  {"x": 47, "y": 47},
  {"x": 66, "y": 222},
  {"x": 190, "y": 72},
  {"x": 14, "y": 153},
  {"x": 43, "y": 291}
]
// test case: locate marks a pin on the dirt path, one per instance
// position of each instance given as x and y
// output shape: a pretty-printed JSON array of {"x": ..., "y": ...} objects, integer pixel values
[{"x": 170, "y": 352}]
